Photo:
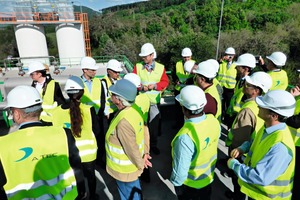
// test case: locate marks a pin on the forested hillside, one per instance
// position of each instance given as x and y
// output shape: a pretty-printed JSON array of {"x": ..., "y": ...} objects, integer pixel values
[{"x": 255, "y": 26}]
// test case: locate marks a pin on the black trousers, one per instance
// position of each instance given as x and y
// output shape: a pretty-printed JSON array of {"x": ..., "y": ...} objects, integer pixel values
[
  {"x": 227, "y": 94},
  {"x": 188, "y": 193},
  {"x": 89, "y": 174},
  {"x": 154, "y": 128}
]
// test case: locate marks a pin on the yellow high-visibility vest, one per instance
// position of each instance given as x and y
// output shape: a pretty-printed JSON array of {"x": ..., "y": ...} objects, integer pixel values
[
  {"x": 116, "y": 158},
  {"x": 227, "y": 76},
  {"x": 282, "y": 187},
  {"x": 205, "y": 136},
  {"x": 36, "y": 164}
]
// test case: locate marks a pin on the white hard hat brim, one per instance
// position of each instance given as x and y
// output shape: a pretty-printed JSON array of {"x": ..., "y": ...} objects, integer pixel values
[
  {"x": 143, "y": 54},
  {"x": 249, "y": 80},
  {"x": 260, "y": 102}
]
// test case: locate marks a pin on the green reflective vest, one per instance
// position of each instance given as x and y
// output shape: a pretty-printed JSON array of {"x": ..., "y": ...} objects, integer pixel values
[
  {"x": 92, "y": 98},
  {"x": 151, "y": 78},
  {"x": 296, "y": 132},
  {"x": 227, "y": 76},
  {"x": 235, "y": 101},
  {"x": 48, "y": 97},
  {"x": 142, "y": 101},
  {"x": 212, "y": 90},
  {"x": 281, "y": 188},
  {"x": 218, "y": 86},
  {"x": 116, "y": 158},
  {"x": 87, "y": 143},
  {"x": 259, "y": 122},
  {"x": 36, "y": 164},
  {"x": 181, "y": 74},
  {"x": 279, "y": 79},
  {"x": 205, "y": 136},
  {"x": 112, "y": 107}
]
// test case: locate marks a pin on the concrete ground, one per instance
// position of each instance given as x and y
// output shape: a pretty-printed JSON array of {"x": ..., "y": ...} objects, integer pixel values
[{"x": 160, "y": 188}]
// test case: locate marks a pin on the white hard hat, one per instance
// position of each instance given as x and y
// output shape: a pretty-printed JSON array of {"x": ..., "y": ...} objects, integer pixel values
[
  {"x": 186, "y": 52},
  {"x": 147, "y": 49},
  {"x": 114, "y": 65},
  {"x": 278, "y": 58},
  {"x": 279, "y": 101},
  {"x": 23, "y": 96},
  {"x": 261, "y": 80},
  {"x": 125, "y": 89},
  {"x": 230, "y": 51},
  {"x": 188, "y": 66},
  {"x": 215, "y": 64},
  {"x": 206, "y": 69},
  {"x": 192, "y": 97},
  {"x": 247, "y": 60},
  {"x": 35, "y": 66},
  {"x": 133, "y": 78},
  {"x": 74, "y": 84},
  {"x": 88, "y": 63}
]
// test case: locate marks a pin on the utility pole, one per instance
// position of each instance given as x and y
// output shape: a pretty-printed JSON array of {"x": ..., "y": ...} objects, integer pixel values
[{"x": 220, "y": 26}]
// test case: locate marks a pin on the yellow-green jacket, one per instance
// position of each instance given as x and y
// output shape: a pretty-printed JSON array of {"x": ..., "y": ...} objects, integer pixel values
[
  {"x": 87, "y": 143},
  {"x": 281, "y": 188},
  {"x": 34, "y": 167},
  {"x": 205, "y": 136},
  {"x": 279, "y": 79},
  {"x": 227, "y": 76},
  {"x": 116, "y": 158}
]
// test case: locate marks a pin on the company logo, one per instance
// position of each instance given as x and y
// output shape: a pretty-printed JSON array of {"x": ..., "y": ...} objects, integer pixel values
[
  {"x": 206, "y": 141},
  {"x": 277, "y": 83},
  {"x": 28, "y": 151},
  {"x": 67, "y": 125}
]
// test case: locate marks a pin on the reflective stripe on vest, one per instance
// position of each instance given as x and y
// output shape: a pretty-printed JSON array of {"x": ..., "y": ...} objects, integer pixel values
[
  {"x": 181, "y": 74},
  {"x": 279, "y": 80},
  {"x": 151, "y": 78},
  {"x": 115, "y": 156},
  {"x": 252, "y": 105},
  {"x": 92, "y": 98},
  {"x": 43, "y": 171},
  {"x": 205, "y": 136},
  {"x": 281, "y": 188},
  {"x": 212, "y": 90},
  {"x": 48, "y": 97},
  {"x": 227, "y": 77},
  {"x": 87, "y": 143},
  {"x": 109, "y": 103}
]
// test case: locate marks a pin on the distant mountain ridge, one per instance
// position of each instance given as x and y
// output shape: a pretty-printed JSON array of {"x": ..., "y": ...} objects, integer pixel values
[{"x": 91, "y": 13}]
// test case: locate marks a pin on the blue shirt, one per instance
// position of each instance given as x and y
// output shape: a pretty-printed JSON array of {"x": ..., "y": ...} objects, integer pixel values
[
  {"x": 184, "y": 153},
  {"x": 88, "y": 83},
  {"x": 271, "y": 166}
]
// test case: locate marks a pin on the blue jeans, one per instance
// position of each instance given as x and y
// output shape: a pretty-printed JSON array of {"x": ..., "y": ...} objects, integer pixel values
[{"x": 130, "y": 190}]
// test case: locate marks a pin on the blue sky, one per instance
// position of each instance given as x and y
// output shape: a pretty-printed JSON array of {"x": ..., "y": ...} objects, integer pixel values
[{"x": 99, "y": 4}]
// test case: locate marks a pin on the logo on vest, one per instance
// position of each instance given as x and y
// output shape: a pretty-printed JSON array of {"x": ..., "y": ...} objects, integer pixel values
[
  {"x": 277, "y": 83},
  {"x": 67, "y": 125},
  {"x": 207, "y": 142},
  {"x": 28, "y": 151}
]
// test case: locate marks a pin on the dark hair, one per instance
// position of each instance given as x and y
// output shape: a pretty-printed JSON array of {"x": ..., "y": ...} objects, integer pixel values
[
  {"x": 280, "y": 117},
  {"x": 207, "y": 80},
  {"x": 75, "y": 113}
]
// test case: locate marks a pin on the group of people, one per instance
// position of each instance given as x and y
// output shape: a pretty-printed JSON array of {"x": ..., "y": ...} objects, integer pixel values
[
  {"x": 262, "y": 118},
  {"x": 115, "y": 122}
]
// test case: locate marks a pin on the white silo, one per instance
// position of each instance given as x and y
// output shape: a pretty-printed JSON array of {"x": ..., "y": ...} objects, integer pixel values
[
  {"x": 31, "y": 41},
  {"x": 70, "y": 43}
]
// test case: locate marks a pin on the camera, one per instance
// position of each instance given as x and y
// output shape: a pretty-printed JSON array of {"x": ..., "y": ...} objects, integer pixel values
[
  {"x": 229, "y": 57},
  {"x": 257, "y": 58}
]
